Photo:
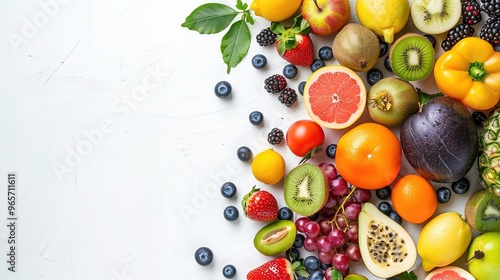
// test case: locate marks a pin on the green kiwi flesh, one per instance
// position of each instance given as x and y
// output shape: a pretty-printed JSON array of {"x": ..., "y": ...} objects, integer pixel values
[
  {"x": 412, "y": 57},
  {"x": 275, "y": 238},
  {"x": 482, "y": 211},
  {"x": 305, "y": 189},
  {"x": 435, "y": 16}
]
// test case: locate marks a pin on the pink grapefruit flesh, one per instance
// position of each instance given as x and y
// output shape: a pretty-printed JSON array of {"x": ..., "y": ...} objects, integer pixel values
[
  {"x": 449, "y": 273},
  {"x": 335, "y": 96}
]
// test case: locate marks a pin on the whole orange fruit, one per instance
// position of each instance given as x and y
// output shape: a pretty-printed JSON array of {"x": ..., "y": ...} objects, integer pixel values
[
  {"x": 369, "y": 156},
  {"x": 414, "y": 198}
]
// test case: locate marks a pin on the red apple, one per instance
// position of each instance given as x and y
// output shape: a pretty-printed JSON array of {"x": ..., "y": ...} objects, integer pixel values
[{"x": 325, "y": 17}]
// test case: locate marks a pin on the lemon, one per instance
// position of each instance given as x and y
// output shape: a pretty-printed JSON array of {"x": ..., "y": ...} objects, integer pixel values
[
  {"x": 443, "y": 240},
  {"x": 384, "y": 17},
  {"x": 268, "y": 167},
  {"x": 275, "y": 10}
]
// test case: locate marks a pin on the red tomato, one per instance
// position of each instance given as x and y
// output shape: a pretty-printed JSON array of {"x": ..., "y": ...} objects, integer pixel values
[{"x": 303, "y": 136}]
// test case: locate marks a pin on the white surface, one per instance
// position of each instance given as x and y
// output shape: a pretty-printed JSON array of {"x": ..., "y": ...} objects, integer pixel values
[{"x": 131, "y": 92}]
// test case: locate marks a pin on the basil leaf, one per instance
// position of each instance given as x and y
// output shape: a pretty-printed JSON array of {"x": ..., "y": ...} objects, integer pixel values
[
  {"x": 235, "y": 44},
  {"x": 210, "y": 18}
]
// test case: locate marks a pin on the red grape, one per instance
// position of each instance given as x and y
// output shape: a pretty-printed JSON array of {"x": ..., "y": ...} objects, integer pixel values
[
  {"x": 331, "y": 201},
  {"x": 329, "y": 170},
  {"x": 362, "y": 195},
  {"x": 352, "y": 252},
  {"x": 340, "y": 221},
  {"x": 327, "y": 212},
  {"x": 301, "y": 222},
  {"x": 311, "y": 229},
  {"x": 311, "y": 244},
  {"x": 339, "y": 186},
  {"x": 337, "y": 237},
  {"x": 352, "y": 211},
  {"x": 324, "y": 244},
  {"x": 325, "y": 226},
  {"x": 326, "y": 257},
  {"x": 352, "y": 232},
  {"x": 341, "y": 262}
]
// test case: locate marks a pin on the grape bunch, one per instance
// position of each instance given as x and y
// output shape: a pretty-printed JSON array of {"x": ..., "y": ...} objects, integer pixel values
[{"x": 333, "y": 232}]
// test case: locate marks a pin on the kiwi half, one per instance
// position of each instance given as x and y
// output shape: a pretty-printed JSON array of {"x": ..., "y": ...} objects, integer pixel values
[
  {"x": 412, "y": 57},
  {"x": 275, "y": 238},
  {"x": 482, "y": 211},
  {"x": 306, "y": 189},
  {"x": 435, "y": 16}
]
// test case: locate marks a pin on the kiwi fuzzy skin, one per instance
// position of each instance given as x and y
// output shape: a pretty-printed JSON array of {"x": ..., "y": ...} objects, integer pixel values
[
  {"x": 396, "y": 55},
  {"x": 475, "y": 211}
]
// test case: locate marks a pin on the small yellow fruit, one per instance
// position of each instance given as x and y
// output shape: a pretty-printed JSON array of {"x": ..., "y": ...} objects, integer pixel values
[
  {"x": 275, "y": 10},
  {"x": 384, "y": 17},
  {"x": 268, "y": 167},
  {"x": 443, "y": 240}
]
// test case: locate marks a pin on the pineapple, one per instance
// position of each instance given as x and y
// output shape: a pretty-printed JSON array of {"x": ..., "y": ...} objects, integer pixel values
[{"x": 489, "y": 157}]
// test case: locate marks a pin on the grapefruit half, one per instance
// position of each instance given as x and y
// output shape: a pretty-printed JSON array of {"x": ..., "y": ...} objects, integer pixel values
[
  {"x": 334, "y": 96},
  {"x": 450, "y": 273}
]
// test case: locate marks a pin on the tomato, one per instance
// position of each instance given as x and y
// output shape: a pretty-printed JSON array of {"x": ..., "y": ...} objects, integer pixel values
[{"x": 304, "y": 137}]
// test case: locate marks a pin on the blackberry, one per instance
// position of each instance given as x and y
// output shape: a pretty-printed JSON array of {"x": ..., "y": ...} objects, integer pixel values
[
  {"x": 288, "y": 96},
  {"x": 471, "y": 12},
  {"x": 491, "y": 30},
  {"x": 456, "y": 34},
  {"x": 275, "y": 136},
  {"x": 266, "y": 37},
  {"x": 275, "y": 83},
  {"x": 491, "y": 7}
]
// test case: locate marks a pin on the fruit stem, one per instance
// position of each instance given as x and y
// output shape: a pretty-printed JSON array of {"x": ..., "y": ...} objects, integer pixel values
[
  {"x": 382, "y": 101},
  {"x": 478, "y": 254},
  {"x": 476, "y": 71},
  {"x": 317, "y": 6},
  {"x": 310, "y": 154},
  {"x": 424, "y": 97},
  {"x": 341, "y": 207}
]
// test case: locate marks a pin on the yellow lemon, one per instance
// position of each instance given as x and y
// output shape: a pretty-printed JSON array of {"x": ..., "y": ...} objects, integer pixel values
[
  {"x": 268, "y": 167},
  {"x": 443, "y": 240},
  {"x": 384, "y": 17},
  {"x": 275, "y": 10}
]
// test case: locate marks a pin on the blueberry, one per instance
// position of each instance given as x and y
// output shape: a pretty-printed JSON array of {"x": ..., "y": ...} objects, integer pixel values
[
  {"x": 374, "y": 75},
  {"x": 496, "y": 47},
  {"x": 301, "y": 87},
  {"x": 387, "y": 64},
  {"x": 229, "y": 271},
  {"x": 314, "y": 216},
  {"x": 383, "y": 193},
  {"x": 293, "y": 253},
  {"x": 203, "y": 256},
  {"x": 256, "y": 117},
  {"x": 299, "y": 241},
  {"x": 395, "y": 216},
  {"x": 443, "y": 194},
  {"x": 331, "y": 150},
  {"x": 384, "y": 47},
  {"x": 461, "y": 186},
  {"x": 317, "y": 63},
  {"x": 244, "y": 153},
  {"x": 316, "y": 274},
  {"x": 222, "y": 89},
  {"x": 325, "y": 53},
  {"x": 290, "y": 71},
  {"x": 231, "y": 213},
  {"x": 302, "y": 278},
  {"x": 259, "y": 61},
  {"x": 431, "y": 39},
  {"x": 285, "y": 213},
  {"x": 311, "y": 262},
  {"x": 478, "y": 117},
  {"x": 324, "y": 266},
  {"x": 385, "y": 207}
]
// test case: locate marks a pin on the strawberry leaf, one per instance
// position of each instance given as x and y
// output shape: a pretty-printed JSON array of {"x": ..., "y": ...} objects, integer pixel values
[
  {"x": 210, "y": 18},
  {"x": 235, "y": 44}
]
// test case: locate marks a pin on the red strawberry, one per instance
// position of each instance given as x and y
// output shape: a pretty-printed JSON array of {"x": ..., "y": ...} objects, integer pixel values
[
  {"x": 278, "y": 269},
  {"x": 294, "y": 44},
  {"x": 260, "y": 205}
]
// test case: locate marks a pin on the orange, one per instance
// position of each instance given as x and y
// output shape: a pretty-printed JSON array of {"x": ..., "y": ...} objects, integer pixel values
[
  {"x": 369, "y": 156},
  {"x": 414, "y": 198},
  {"x": 334, "y": 96},
  {"x": 268, "y": 167}
]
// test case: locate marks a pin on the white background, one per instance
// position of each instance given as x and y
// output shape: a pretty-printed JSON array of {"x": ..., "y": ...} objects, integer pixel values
[{"x": 109, "y": 119}]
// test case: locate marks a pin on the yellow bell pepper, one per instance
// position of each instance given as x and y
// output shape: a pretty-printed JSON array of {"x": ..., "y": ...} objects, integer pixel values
[{"x": 470, "y": 73}]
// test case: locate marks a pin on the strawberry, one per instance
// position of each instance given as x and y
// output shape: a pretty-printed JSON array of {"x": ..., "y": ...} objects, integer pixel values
[
  {"x": 294, "y": 44},
  {"x": 278, "y": 269},
  {"x": 260, "y": 205}
]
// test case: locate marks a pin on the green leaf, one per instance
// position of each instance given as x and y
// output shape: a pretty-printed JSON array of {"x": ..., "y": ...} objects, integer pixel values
[
  {"x": 210, "y": 18},
  {"x": 241, "y": 6},
  {"x": 407, "y": 275},
  {"x": 336, "y": 275},
  {"x": 235, "y": 44}
]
